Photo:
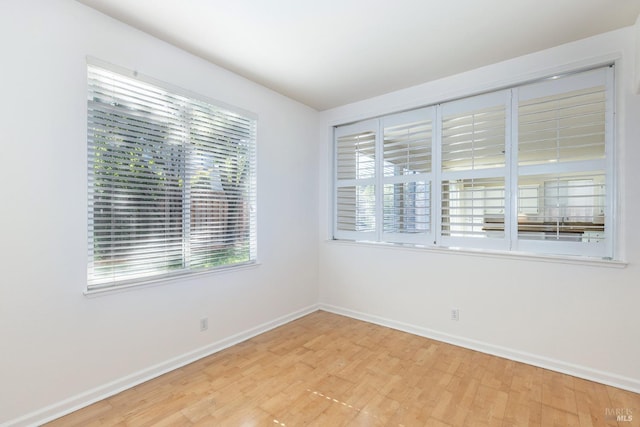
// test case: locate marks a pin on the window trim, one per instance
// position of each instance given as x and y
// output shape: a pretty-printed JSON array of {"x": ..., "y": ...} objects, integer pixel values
[
  {"x": 485, "y": 253},
  {"x": 168, "y": 279},
  {"x": 611, "y": 254}
]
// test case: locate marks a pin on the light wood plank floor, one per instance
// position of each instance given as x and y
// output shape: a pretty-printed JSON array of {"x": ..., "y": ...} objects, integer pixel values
[{"x": 329, "y": 370}]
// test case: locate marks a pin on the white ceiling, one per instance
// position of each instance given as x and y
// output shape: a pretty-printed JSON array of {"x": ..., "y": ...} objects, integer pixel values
[{"x": 326, "y": 53}]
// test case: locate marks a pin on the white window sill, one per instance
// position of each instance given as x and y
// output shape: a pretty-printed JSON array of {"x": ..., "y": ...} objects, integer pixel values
[
  {"x": 165, "y": 280},
  {"x": 559, "y": 259}
]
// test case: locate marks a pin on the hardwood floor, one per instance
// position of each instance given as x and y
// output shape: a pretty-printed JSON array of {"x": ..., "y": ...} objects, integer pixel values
[{"x": 329, "y": 370}]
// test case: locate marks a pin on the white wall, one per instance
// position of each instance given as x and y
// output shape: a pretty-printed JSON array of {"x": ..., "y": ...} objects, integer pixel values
[
  {"x": 59, "y": 348},
  {"x": 576, "y": 318}
]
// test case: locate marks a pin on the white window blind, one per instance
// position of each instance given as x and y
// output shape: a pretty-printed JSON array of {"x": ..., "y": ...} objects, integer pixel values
[
  {"x": 526, "y": 169},
  {"x": 171, "y": 182}
]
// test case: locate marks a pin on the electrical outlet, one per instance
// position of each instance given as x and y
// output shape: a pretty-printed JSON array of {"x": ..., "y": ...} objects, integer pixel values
[
  {"x": 455, "y": 314},
  {"x": 204, "y": 324}
]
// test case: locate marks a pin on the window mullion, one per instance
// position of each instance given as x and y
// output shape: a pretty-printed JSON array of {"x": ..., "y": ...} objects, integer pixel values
[
  {"x": 511, "y": 174},
  {"x": 379, "y": 180},
  {"x": 436, "y": 166},
  {"x": 610, "y": 180},
  {"x": 187, "y": 159}
]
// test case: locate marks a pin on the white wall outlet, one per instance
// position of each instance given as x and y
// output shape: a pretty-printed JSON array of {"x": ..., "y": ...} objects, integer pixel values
[
  {"x": 204, "y": 324},
  {"x": 455, "y": 314}
]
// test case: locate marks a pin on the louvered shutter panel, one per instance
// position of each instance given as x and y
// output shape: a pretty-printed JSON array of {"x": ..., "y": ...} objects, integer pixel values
[
  {"x": 473, "y": 140},
  {"x": 562, "y": 132},
  {"x": 407, "y": 176},
  {"x": 171, "y": 182},
  {"x": 473, "y": 171},
  {"x": 355, "y": 202},
  {"x": 562, "y": 127}
]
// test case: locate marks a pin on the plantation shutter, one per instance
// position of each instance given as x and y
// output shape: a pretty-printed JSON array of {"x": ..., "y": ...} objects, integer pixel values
[
  {"x": 562, "y": 133},
  {"x": 473, "y": 171},
  {"x": 171, "y": 182},
  {"x": 526, "y": 169},
  {"x": 355, "y": 203},
  {"x": 407, "y": 176}
]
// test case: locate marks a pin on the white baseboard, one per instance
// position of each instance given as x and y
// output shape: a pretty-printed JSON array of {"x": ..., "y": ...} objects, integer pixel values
[
  {"x": 81, "y": 400},
  {"x": 602, "y": 377}
]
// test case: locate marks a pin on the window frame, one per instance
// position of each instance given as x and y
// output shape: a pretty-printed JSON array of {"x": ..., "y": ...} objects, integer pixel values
[
  {"x": 99, "y": 284},
  {"x": 512, "y": 244}
]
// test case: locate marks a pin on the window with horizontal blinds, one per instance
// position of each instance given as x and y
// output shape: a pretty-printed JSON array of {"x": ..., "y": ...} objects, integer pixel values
[
  {"x": 526, "y": 169},
  {"x": 171, "y": 182}
]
